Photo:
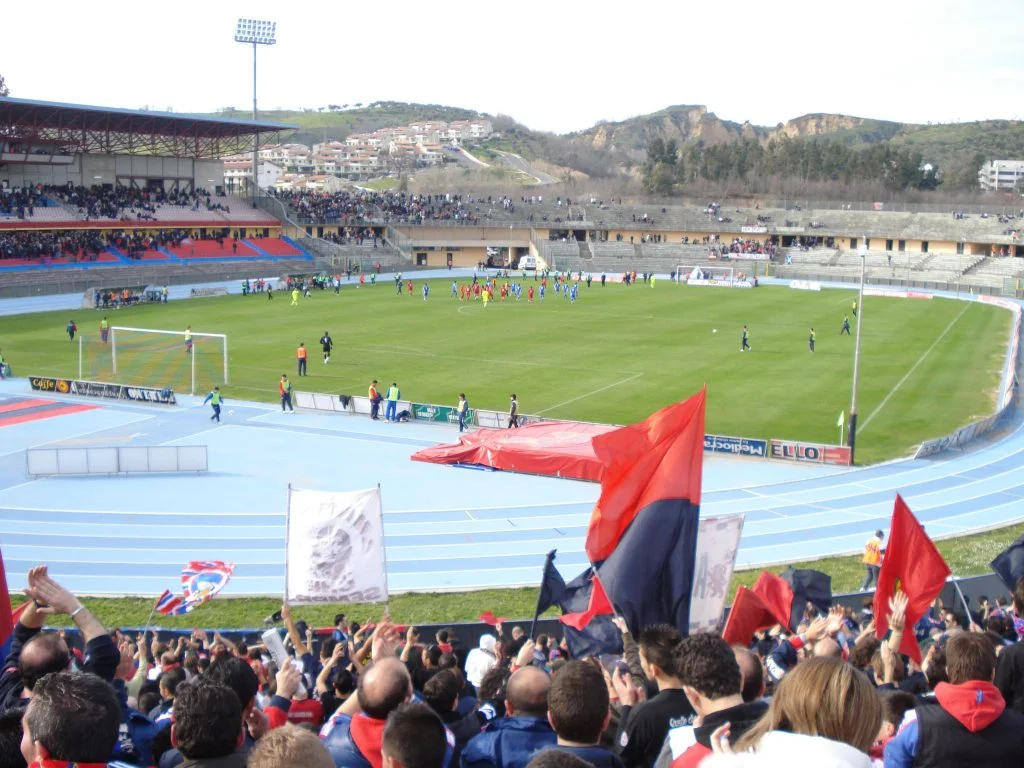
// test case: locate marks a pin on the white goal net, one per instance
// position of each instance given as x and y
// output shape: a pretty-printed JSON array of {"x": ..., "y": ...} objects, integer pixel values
[{"x": 185, "y": 361}]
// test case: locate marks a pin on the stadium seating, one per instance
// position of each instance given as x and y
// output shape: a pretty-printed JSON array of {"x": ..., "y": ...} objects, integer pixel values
[
  {"x": 274, "y": 246},
  {"x": 211, "y": 249}
]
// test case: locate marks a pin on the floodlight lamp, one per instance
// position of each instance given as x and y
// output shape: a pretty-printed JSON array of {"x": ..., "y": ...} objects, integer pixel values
[{"x": 255, "y": 31}]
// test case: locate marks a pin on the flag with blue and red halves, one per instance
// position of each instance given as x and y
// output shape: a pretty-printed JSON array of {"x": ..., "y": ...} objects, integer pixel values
[{"x": 642, "y": 537}]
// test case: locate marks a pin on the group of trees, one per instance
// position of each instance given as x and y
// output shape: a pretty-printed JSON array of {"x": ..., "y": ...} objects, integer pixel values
[{"x": 669, "y": 166}]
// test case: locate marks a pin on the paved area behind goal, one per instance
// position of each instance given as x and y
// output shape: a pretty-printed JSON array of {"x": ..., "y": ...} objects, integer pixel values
[{"x": 446, "y": 528}]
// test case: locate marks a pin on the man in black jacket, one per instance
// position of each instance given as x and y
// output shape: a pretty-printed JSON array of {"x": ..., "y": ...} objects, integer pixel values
[
  {"x": 35, "y": 654},
  {"x": 713, "y": 683},
  {"x": 643, "y": 728},
  {"x": 1010, "y": 668}
]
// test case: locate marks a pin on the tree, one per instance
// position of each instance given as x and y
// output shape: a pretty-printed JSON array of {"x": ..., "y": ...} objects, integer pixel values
[{"x": 4, "y": 90}]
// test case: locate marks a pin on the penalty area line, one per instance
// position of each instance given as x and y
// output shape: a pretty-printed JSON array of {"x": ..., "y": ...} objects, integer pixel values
[
  {"x": 594, "y": 392},
  {"x": 910, "y": 373}
]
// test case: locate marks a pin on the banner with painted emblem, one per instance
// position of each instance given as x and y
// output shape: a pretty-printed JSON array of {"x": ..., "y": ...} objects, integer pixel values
[
  {"x": 718, "y": 541},
  {"x": 335, "y": 547}
]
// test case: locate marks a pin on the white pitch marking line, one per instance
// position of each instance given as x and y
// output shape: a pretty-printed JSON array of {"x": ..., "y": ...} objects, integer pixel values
[
  {"x": 910, "y": 373},
  {"x": 588, "y": 394}
]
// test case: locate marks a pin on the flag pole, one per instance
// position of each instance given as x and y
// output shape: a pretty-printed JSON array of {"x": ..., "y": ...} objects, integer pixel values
[
  {"x": 383, "y": 551},
  {"x": 967, "y": 609},
  {"x": 548, "y": 563},
  {"x": 287, "y": 535},
  {"x": 150, "y": 619}
]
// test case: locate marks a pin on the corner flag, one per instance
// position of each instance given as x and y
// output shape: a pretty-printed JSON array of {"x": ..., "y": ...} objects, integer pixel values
[{"x": 842, "y": 419}]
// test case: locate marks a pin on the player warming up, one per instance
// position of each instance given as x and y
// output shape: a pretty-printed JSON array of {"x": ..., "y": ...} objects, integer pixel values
[
  {"x": 327, "y": 344},
  {"x": 300, "y": 358},
  {"x": 745, "y": 345},
  {"x": 214, "y": 399},
  {"x": 188, "y": 340},
  {"x": 846, "y": 326},
  {"x": 810, "y": 340}
]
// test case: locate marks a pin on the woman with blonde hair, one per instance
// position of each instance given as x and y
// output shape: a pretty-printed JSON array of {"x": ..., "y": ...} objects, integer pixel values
[{"x": 824, "y": 712}]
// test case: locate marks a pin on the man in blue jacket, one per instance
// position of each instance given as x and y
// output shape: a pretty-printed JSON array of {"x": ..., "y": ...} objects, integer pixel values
[
  {"x": 578, "y": 711},
  {"x": 512, "y": 741},
  {"x": 354, "y": 737}
]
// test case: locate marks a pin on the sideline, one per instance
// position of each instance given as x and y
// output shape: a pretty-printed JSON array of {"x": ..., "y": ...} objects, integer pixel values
[
  {"x": 588, "y": 394},
  {"x": 910, "y": 373}
]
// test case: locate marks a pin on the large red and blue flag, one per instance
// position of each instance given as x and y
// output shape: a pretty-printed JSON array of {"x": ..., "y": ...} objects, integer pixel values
[{"x": 642, "y": 537}]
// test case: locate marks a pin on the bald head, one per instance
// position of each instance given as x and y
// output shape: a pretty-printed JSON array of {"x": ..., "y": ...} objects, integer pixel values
[
  {"x": 527, "y": 692},
  {"x": 383, "y": 687},
  {"x": 45, "y": 653},
  {"x": 827, "y": 647},
  {"x": 752, "y": 672}
]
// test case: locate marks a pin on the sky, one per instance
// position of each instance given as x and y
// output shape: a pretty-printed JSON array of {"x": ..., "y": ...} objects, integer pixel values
[{"x": 555, "y": 66}]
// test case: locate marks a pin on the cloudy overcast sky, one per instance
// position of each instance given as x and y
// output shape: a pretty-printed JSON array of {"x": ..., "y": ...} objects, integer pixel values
[{"x": 552, "y": 65}]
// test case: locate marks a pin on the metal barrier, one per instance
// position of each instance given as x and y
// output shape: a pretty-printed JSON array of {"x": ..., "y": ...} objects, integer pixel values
[{"x": 54, "y": 462}]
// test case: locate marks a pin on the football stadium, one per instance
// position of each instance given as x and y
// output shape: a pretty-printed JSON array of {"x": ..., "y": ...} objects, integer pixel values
[{"x": 240, "y": 421}]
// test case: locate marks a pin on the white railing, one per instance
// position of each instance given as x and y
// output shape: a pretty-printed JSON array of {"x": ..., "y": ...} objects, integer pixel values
[{"x": 49, "y": 462}]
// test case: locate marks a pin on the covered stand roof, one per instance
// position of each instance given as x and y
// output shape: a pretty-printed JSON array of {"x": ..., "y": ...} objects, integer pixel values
[{"x": 75, "y": 128}]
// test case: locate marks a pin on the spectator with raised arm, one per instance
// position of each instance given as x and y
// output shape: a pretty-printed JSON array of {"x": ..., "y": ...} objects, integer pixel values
[{"x": 35, "y": 654}]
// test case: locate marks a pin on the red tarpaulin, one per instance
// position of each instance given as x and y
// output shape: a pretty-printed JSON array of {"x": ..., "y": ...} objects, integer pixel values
[{"x": 556, "y": 448}]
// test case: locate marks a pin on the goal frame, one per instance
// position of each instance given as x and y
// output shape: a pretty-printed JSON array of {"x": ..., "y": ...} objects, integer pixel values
[
  {"x": 192, "y": 363},
  {"x": 688, "y": 268}
]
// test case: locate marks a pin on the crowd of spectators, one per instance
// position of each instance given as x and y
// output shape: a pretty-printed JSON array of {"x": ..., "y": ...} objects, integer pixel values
[
  {"x": 384, "y": 696},
  {"x": 398, "y": 207},
  {"x": 106, "y": 202},
  {"x": 45, "y": 245}
]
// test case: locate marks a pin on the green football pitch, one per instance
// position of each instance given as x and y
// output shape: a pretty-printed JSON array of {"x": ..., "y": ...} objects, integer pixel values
[{"x": 617, "y": 354}]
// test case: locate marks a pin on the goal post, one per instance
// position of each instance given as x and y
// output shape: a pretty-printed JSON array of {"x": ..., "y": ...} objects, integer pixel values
[
  {"x": 687, "y": 272},
  {"x": 180, "y": 360}
]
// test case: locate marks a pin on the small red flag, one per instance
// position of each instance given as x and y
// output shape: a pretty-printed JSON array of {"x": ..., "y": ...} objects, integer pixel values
[
  {"x": 748, "y": 615},
  {"x": 488, "y": 617},
  {"x": 777, "y": 596},
  {"x": 6, "y": 618},
  {"x": 912, "y": 564},
  {"x": 599, "y": 605}
]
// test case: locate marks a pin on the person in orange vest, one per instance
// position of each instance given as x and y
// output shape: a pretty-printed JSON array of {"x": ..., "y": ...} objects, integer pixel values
[
  {"x": 300, "y": 356},
  {"x": 375, "y": 399},
  {"x": 284, "y": 388},
  {"x": 409, "y": 286},
  {"x": 872, "y": 560}
]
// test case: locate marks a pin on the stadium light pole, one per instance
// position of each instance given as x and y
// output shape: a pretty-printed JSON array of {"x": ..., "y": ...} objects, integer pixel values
[
  {"x": 255, "y": 32},
  {"x": 856, "y": 356}
]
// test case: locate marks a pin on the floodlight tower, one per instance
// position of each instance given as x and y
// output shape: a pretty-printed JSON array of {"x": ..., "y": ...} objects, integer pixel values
[
  {"x": 255, "y": 32},
  {"x": 856, "y": 354}
]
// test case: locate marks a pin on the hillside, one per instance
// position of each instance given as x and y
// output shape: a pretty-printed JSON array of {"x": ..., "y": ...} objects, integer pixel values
[{"x": 326, "y": 124}]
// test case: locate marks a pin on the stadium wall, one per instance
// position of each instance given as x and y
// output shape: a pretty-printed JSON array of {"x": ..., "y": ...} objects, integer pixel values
[{"x": 88, "y": 170}]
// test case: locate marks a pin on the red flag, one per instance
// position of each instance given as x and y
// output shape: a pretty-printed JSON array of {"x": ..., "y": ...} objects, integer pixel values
[
  {"x": 659, "y": 458},
  {"x": 912, "y": 564},
  {"x": 599, "y": 605},
  {"x": 488, "y": 617},
  {"x": 6, "y": 619},
  {"x": 748, "y": 615},
  {"x": 777, "y": 597}
]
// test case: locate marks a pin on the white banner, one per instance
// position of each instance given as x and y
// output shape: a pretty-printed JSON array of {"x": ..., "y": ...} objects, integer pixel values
[
  {"x": 718, "y": 541},
  {"x": 335, "y": 547}
]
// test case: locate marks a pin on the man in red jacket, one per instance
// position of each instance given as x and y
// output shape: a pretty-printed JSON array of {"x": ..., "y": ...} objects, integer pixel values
[{"x": 969, "y": 725}]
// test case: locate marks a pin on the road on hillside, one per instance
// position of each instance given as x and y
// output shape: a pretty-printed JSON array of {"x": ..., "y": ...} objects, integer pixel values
[{"x": 516, "y": 162}]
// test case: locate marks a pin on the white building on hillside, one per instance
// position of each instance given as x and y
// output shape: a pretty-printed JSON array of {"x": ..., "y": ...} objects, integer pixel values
[{"x": 1003, "y": 175}]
